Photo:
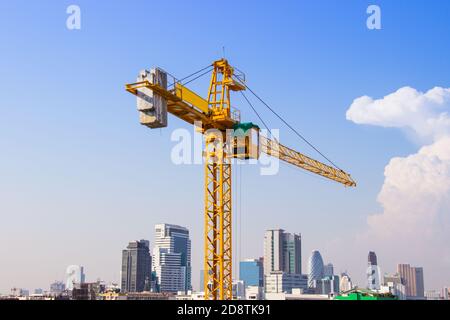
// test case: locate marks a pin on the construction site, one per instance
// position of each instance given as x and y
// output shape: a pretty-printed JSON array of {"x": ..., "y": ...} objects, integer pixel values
[{"x": 226, "y": 137}]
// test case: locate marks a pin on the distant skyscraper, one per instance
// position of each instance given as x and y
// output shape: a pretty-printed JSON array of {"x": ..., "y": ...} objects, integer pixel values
[
  {"x": 170, "y": 275},
  {"x": 136, "y": 267},
  {"x": 238, "y": 290},
  {"x": 395, "y": 285},
  {"x": 74, "y": 274},
  {"x": 251, "y": 272},
  {"x": 57, "y": 287},
  {"x": 328, "y": 270},
  {"x": 373, "y": 272},
  {"x": 315, "y": 268},
  {"x": 282, "y": 252},
  {"x": 327, "y": 285},
  {"x": 273, "y": 251},
  {"x": 280, "y": 281},
  {"x": 345, "y": 283},
  {"x": 420, "y": 286},
  {"x": 372, "y": 259},
  {"x": 172, "y": 258},
  {"x": 413, "y": 279},
  {"x": 292, "y": 251}
]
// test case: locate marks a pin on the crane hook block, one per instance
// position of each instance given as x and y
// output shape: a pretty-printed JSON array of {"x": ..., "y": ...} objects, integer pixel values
[{"x": 152, "y": 106}]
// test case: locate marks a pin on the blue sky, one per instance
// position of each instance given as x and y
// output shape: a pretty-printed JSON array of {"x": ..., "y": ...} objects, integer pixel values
[{"x": 80, "y": 177}]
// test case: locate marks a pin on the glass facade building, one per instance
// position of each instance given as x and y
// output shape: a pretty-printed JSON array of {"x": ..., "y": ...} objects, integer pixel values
[
  {"x": 172, "y": 258},
  {"x": 315, "y": 268},
  {"x": 251, "y": 272},
  {"x": 136, "y": 267}
]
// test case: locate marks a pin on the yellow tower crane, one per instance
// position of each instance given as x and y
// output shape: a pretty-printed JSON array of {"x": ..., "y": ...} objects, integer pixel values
[{"x": 225, "y": 138}]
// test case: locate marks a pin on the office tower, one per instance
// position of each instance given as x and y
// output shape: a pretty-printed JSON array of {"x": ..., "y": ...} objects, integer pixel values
[
  {"x": 136, "y": 267},
  {"x": 372, "y": 259},
  {"x": 238, "y": 290},
  {"x": 315, "y": 268},
  {"x": 273, "y": 251},
  {"x": 170, "y": 275},
  {"x": 373, "y": 272},
  {"x": 327, "y": 285},
  {"x": 420, "y": 287},
  {"x": 251, "y": 272},
  {"x": 280, "y": 281},
  {"x": 413, "y": 280},
  {"x": 282, "y": 252},
  {"x": 292, "y": 251},
  {"x": 328, "y": 270},
  {"x": 172, "y": 255},
  {"x": 345, "y": 283},
  {"x": 74, "y": 274},
  {"x": 394, "y": 284},
  {"x": 57, "y": 287}
]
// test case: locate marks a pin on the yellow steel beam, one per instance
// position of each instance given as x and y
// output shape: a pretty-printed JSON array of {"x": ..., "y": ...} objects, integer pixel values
[
  {"x": 298, "y": 159},
  {"x": 218, "y": 229},
  {"x": 191, "y": 97}
]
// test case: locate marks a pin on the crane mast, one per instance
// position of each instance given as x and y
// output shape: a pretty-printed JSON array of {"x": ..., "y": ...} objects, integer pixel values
[{"x": 217, "y": 118}]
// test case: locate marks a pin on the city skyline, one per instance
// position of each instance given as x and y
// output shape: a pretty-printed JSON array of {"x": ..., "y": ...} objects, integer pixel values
[
  {"x": 77, "y": 168},
  {"x": 138, "y": 263}
]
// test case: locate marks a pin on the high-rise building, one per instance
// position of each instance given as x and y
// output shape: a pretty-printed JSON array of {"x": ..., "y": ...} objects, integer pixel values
[
  {"x": 292, "y": 251},
  {"x": 394, "y": 284},
  {"x": 273, "y": 251},
  {"x": 420, "y": 286},
  {"x": 172, "y": 258},
  {"x": 327, "y": 285},
  {"x": 345, "y": 283},
  {"x": 328, "y": 270},
  {"x": 282, "y": 282},
  {"x": 251, "y": 272},
  {"x": 74, "y": 274},
  {"x": 373, "y": 272},
  {"x": 57, "y": 287},
  {"x": 372, "y": 259},
  {"x": 282, "y": 252},
  {"x": 315, "y": 268},
  {"x": 170, "y": 275},
  {"x": 136, "y": 267},
  {"x": 413, "y": 280},
  {"x": 238, "y": 290}
]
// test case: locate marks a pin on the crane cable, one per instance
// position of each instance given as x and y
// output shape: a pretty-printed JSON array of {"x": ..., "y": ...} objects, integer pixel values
[
  {"x": 276, "y": 140},
  {"x": 199, "y": 76},
  {"x": 257, "y": 114},
  {"x": 286, "y": 123},
  {"x": 209, "y": 67}
]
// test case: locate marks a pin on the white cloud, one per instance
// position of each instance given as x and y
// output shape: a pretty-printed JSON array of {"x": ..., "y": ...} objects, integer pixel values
[
  {"x": 425, "y": 114},
  {"x": 414, "y": 225}
]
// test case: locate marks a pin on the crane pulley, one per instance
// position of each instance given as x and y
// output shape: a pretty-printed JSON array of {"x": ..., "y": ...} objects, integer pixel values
[{"x": 226, "y": 137}]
